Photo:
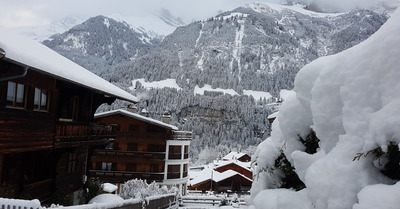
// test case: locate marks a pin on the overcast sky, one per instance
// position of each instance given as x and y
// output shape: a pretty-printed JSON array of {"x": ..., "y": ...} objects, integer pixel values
[{"x": 15, "y": 13}]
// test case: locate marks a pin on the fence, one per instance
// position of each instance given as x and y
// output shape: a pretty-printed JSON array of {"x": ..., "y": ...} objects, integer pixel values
[
  {"x": 155, "y": 202},
  {"x": 19, "y": 204}
]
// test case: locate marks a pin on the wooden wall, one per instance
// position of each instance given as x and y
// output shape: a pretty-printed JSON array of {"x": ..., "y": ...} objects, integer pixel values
[{"x": 24, "y": 129}]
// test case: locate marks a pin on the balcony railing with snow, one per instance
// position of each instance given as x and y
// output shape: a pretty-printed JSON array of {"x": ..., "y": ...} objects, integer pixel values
[
  {"x": 123, "y": 176},
  {"x": 110, "y": 155},
  {"x": 73, "y": 131},
  {"x": 182, "y": 135}
]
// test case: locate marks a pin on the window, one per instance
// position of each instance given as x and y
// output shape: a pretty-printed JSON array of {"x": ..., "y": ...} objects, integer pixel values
[
  {"x": 186, "y": 153},
  {"x": 15, "y": 94},
  {"x": 156, "y": 148},
  {"x": 154, "y": 168},
  {"x": 174, "y": 171},
  {"x": 175, "y": 152},
  {"x": 152, "y": 129},
  {"x": 107, "y": 166},
  {"x": 132, "y": 147},
  {"x": 71, "y": 162},
  {"x": 130, "y": 167},
  {"x": 41, "y": 99},
  {"x": 133, "y": 128}
]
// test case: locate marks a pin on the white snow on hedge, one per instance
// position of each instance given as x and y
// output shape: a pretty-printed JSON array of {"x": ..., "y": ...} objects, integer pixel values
[
  {"x": 351, "y": 100},
  {"x": 106, "y": 198},
  {"x": 171, "y": 83},
  {"x": 257, "y": 95},
  {"x": 206, "y": 87}
]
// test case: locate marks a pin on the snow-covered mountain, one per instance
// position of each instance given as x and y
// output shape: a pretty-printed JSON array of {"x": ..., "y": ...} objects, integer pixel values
[
  {"x": 215, "y": 64},
  {"x": 159, "y": 25},
  {"x": 101, "y": 42},
  {"x": 257, "y": 47}
]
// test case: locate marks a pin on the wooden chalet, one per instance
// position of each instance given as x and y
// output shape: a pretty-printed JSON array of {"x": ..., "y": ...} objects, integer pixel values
[
  {"x": 47, "y": 133},
  {"x": 231, "y": 174},
  {"x": 144, "y": 148},
  {"x": 226, "y": 181}
]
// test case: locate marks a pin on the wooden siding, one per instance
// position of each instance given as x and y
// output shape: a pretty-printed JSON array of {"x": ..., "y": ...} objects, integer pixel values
[{"x": 18, "y": 132}]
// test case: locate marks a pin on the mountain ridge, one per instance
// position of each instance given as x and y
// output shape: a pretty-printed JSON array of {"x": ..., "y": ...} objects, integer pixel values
[{"x": 241, "y": 49}]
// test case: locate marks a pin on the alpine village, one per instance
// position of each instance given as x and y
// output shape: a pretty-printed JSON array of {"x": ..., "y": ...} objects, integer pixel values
[{"x": 290, "y": 105}]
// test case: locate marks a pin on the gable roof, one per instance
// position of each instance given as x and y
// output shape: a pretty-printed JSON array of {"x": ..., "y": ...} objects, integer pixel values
[
  {"x": 136, "y": 116},
  {"x": 38, "y": 57},
  {"x": 233, "y": 156},
  {"x": 216, "y": 176},
  {"x": 244, "y": 165}
]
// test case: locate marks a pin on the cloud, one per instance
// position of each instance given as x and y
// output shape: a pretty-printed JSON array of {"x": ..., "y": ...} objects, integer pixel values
[
  {"x": 39, "y": 12},
  {"x": 16, "y": 16},
  {"x": 347, "y": 5}
]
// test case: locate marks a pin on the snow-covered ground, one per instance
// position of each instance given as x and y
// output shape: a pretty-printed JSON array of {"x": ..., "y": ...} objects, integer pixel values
[{"x": 206, "y": 206}]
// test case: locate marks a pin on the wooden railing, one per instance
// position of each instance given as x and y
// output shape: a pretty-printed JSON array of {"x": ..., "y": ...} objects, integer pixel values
[
  {"x": 182, "y": 135},
  {"x": 111, "y": 155},
  {"x": 41, "y": 190},
  {"x": 143, "y": 136},
  {"x": 66, "y": 132},
  {"x": 123, "y": 176}
]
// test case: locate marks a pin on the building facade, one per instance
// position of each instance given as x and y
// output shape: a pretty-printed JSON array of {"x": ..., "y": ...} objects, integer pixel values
[
  {"x": 47, "y": 132},
  {"x": 144, "y": 148}
]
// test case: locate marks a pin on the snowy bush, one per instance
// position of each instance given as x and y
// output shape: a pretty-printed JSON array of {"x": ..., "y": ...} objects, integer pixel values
[
  {"x": 137, "y": 188},
  {"x": 350, "y": 101}
]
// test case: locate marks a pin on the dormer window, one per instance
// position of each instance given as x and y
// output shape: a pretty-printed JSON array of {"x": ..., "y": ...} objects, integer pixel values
[
  {"x": 41, "y": 99},
  {"x": 15, "y": 95}
]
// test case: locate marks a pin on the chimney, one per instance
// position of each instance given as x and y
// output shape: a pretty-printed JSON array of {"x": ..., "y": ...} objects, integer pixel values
[
  {"x": 144, "y": 113},
  {"x": 166, "y": 117},
  {"x": 132, "y": 108}
]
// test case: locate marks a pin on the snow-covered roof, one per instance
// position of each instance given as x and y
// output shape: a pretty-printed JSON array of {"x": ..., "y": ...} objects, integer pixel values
[
  {"x": 216, "y": 176},
  {"x": 245, "y": 165},
  {"x": 273, "y": 115},
  {"x": 136, "y": 116},
  {"x": 40, "y": 58},
  {"x": 233, "y": 156}
]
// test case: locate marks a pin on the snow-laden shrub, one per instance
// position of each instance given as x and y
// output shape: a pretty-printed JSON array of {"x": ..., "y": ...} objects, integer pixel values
[
  {"x": 137, "y": 188},
  {"x": 351, "y": 101}
]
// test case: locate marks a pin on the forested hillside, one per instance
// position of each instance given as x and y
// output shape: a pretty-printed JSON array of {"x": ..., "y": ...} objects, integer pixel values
[{"x": 257, "y": 47}]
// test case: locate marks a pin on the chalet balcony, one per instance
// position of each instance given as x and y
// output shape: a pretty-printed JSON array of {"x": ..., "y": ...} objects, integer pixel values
[
  {"x": 126, "y": 156},
  {"x": 142, "y": 136},
  {"x": 182, "y": 135},
  {"x": 71, "y": 132},
  {"x": 123, "y": 176}
]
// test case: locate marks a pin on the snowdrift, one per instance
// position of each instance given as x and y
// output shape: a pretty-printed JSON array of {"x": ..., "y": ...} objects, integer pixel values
[{"x": 339, "y": 133}]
